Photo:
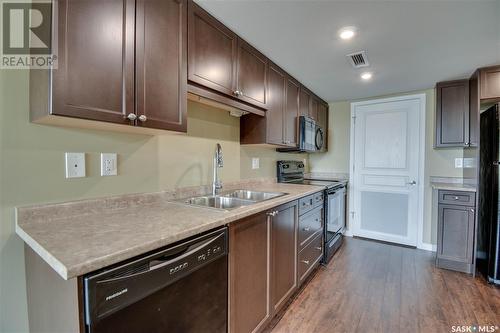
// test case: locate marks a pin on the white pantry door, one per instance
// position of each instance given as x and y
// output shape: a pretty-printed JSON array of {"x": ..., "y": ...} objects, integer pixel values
[{"x": 386, "y": 164}]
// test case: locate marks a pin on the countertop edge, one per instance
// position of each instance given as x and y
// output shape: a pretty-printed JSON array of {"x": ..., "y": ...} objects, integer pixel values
[
  {"x": 73, "y": 271},
  {"x": 454, "y": 187},
  {"x": 55, "y": 264}
]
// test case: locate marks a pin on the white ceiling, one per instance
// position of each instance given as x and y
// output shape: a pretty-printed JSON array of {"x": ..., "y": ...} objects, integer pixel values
[{"x": 410, "y": 45}]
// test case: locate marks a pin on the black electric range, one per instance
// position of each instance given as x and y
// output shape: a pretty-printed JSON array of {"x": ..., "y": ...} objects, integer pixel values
[{"x": 292, "y": 172}]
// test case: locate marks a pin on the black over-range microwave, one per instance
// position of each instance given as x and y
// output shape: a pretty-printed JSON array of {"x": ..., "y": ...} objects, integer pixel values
[{"x": 311, "y": 137}]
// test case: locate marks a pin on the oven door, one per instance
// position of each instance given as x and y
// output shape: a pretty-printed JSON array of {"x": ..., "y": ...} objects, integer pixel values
[{"x": 335, "y": 213}]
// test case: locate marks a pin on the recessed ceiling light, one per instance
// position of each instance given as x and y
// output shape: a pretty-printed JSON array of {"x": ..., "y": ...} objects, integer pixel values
[
  {"x": 347, "y": 33},
  {"x": 366, "y": 76}
]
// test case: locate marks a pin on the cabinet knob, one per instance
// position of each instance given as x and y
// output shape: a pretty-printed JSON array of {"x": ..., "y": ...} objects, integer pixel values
[
  {"x": 236, "y": 92},
  {"x": 456, "y": 198},
  {"x": 472, "y": 210},
  {"x": 319, "y": 248},
  {"x": 307, "y": 229},
  {"x": 143, "y": 118},
  {"x": 132, "y": 116},
  {"x": 305, "y": 262}
]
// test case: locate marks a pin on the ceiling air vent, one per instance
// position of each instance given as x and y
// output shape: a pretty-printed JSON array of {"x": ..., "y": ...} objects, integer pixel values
[{"x": 358, "y": 59}]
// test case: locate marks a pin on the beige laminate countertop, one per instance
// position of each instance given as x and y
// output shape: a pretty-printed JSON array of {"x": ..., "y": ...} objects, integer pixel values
[
  {"x": 78, "y": 238},
  {"x": 454, "y": 187}
]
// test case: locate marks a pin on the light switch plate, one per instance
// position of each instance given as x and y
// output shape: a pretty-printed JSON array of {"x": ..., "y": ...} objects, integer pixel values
[
  {"x": 75, "y": 165},
  {"x": 109, "y": 164},
  {"x": 255, "y": 163},
  {"x": 459, "y": 162}
]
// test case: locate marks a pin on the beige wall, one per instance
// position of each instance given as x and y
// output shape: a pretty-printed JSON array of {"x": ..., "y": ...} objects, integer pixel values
[
  {"x": 438, "y": 162},
  {"x": 32, "y": 170}
]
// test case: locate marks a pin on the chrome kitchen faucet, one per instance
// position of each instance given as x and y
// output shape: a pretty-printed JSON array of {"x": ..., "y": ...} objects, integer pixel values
[{"x": 218, "y": 163}]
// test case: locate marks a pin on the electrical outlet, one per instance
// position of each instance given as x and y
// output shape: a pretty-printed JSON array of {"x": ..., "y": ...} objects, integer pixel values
[
  {"x": 109, "y": 165},
  {"x": 255, "y": 163},
  {"x": 75, "y": 165},
  {"x": 468, "y": 162},
  {"x": 459, "y": 162}
]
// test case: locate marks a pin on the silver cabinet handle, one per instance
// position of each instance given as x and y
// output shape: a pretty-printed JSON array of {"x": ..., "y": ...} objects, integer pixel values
[
  {"x": 472, "y": 210},
  {"x": 319, "y": 248},
  {"x": 143, "y": 118},
  {"x": 273, "y": 213},
  {"x": 305, "y": 262},
  {"x": 413, "y": 182},
  {"x": 306, "y": 229},
  {"x": 132, "y": 116}
]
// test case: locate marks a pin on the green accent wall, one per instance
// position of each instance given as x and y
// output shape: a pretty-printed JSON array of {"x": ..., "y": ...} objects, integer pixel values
[{"x": 32, "y": 170}]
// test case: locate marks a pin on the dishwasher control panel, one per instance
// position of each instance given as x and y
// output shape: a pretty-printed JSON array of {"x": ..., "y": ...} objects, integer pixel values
[{"x": 110, "y": 290}]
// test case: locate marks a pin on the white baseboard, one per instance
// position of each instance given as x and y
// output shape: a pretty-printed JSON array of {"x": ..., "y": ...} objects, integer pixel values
[{"x": 427, "y": 247}]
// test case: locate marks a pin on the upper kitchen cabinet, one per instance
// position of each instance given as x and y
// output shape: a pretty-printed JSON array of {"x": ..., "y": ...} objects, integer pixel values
[
  {"x": 323, "y": 121},
  {"x": 305, "y": 98},
  {"x": 252, "y": 71},
  {"x": 279, "y": 126},
  {"x": 452, "y": 114},
  {"x": 221, "y": 61},
  {"x": 276, "y": 109},
  {"x": 212, "y": 52},
  {"x": 120, "y": 61},
  {"x": 489, "y": 82},
  {"x": 291, "y": 123},
  {"x": 313, "y": 108},
  {"x": 95, "y": 75},
  {"x": 161, "y": 48}
]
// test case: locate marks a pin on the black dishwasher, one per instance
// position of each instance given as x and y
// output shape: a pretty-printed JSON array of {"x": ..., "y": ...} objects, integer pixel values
[{"x": 179, "y": 289}]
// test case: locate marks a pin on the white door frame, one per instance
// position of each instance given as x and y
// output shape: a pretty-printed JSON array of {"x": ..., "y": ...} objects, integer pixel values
[{"x": 421, "y": 165}]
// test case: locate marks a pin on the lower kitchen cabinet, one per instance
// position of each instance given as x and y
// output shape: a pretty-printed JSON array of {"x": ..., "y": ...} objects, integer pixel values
[
  {"x": 283, "y": 253},
  {"x": 262, "y": 267},
  {"x": 249, "y": 265},
  {"x": 455, "y": 243}
]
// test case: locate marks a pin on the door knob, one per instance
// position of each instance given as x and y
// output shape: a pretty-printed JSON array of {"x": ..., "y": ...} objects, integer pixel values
[
  {"x": 143, "y": 118},
  {"x": 132, "y": 116}
]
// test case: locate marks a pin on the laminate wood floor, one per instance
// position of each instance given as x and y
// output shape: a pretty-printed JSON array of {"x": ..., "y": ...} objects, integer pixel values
[{"x": 374, "y": 287}]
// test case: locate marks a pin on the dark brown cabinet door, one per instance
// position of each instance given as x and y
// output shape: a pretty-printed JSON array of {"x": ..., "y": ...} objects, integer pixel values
[
  {"x": 249, "y": 262},
  {"x": 276, "y": 81},
  {"x": 95, "y": 75},
  {"x": 283, "y": 250},
  {"x": 212, "y": 52},
  {"x": 452, "y": 114},
  {"x": 313, "y": 108},
  {"x": 323, "y": 122},
  {"x": 161, "y": 47},
  {"x": 290, "y": 126},
  {"x": 490, "y": 82},
  {"x": 304, "y": 101},
  {"x": 455, "y": 237},
  {"x": 252, "y": 71}
]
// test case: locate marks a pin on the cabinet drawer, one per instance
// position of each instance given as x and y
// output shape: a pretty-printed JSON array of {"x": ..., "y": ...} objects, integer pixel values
[
  {"x": 309, "y": 202},
  {"x": 318, "y": 199},
  {"x": 310, "y": 255},
  {"x": 457, "y": 198},
  {"x": 309, "y": 224}
]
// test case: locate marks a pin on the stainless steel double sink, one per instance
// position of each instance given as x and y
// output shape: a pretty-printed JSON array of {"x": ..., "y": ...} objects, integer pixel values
[{"x": 232, "y": 199}]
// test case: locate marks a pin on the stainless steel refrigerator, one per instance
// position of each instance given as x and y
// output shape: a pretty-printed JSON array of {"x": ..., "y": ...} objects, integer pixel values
[{"x": 488, "y": 231}]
